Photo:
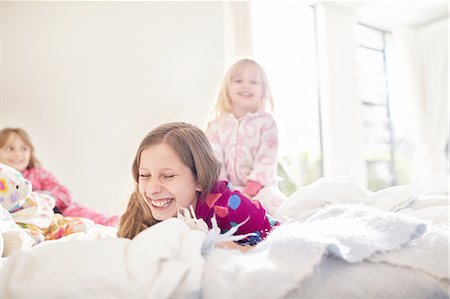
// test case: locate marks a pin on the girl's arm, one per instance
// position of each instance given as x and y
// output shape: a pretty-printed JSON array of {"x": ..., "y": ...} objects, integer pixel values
[
  {"x": 212, "y": 132},
  {"x": 266, "y": 158},
  {"x": 48, "y": 184},
  {"x": 230, "y": 208}
]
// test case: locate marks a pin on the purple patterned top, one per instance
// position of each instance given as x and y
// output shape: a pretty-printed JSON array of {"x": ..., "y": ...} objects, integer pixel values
[{"x": 232, "y": 208}]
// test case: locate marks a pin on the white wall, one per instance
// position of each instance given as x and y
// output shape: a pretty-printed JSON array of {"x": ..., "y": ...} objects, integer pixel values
[{"x": 88, "y": 80}]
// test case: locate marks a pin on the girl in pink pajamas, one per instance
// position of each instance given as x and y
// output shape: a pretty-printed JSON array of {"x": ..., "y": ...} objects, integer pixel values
[
  {"x": 17, "y": 151},
  {"x": 244, "y": 136}
]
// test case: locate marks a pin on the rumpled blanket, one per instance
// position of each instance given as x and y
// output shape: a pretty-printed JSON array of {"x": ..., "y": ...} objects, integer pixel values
[
  {"x": 278, "y": 265},
  {"x": 37, "y": 218},
  {"x": 164, "y": 261},
  {"x": 329, "y": 191}
]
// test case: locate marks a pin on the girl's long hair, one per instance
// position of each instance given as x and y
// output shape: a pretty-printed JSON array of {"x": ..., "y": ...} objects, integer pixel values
[
  {"x": 223, "y": 104},
  {"x": 7, "y": 132},
  {"x": 192, "y": 147}
]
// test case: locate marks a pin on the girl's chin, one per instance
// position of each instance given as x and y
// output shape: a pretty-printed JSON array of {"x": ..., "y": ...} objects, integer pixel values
[{"x": 161, "y": 214}]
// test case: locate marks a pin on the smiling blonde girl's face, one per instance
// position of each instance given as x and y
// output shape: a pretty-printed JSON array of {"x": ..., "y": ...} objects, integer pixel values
[
  {"x": 245, "y": 91},
  {"x": 165, "y": 183}
]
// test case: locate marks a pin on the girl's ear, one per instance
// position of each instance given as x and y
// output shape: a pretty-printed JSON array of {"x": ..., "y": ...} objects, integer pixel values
[{"x": 198, "y": 188}]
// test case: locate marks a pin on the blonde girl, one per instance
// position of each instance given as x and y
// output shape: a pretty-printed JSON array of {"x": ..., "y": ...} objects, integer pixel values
[{"x": 244, "y": 134}]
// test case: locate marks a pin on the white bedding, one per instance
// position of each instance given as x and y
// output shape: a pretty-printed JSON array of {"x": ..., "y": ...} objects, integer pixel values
[
  {"x": 350, "y": 250},
  {"x": 350, "y": 233},
  {"x": 402, "y": 199},
  {"x": 153, "y": 265}
]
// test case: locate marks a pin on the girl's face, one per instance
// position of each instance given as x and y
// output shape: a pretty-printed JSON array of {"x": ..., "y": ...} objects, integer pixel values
[
  {"x": 165, "y": 182},
  {"x": 15, "y": 153},
  {"x": 245, "y": 91}
]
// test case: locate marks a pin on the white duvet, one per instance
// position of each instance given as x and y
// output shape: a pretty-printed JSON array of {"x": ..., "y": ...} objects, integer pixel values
[
  {"x": 162, "y": 262},
  {"x": 328, "y": 238}
]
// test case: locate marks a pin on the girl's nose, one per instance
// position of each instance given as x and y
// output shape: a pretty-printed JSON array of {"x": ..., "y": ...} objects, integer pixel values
[{"x": 153, "y": 188}]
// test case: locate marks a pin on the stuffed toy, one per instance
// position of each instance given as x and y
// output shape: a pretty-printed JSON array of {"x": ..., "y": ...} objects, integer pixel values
[
  {"x": 14, "y": 190},
  {"x": 27, "y": 217}
]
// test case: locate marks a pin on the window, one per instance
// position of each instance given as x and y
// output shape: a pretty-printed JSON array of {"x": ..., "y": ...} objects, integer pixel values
[
  {"x": 374, "y": 93},
  {"x": 284, "y": 43}
]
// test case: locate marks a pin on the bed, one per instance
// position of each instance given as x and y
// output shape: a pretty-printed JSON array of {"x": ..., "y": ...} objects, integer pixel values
[{"x": 337, "y": 240}]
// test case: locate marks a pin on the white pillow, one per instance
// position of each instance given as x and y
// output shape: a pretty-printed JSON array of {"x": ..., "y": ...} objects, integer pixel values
[
  {"x": 323, "y": 192},
  {"x": 391, "y": 199}
]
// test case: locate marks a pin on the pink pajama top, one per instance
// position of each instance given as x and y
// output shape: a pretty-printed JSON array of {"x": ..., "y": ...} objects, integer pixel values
[
  {"x": 230, "y": 208},
  {"x": 247, "y": 148},
  {"x": 44, "y": 181}
]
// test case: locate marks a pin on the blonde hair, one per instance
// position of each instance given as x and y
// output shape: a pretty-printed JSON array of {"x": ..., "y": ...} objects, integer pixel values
[
  {"x": 223, "y": 104},
  {"x": 192, "y": 147},
  {"x": 5, "y": 135}
]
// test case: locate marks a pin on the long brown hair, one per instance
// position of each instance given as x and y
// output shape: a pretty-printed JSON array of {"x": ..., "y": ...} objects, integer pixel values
[
  {"x": 192, "y": 147},
  {"x": 7, "y": 132}
]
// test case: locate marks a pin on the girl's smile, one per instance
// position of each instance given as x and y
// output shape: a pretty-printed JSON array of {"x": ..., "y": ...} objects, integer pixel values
[
  {"x": 165, "y": 182},
  {"x": 161, "y": 203},
  {"x": 247, "y": 94}
]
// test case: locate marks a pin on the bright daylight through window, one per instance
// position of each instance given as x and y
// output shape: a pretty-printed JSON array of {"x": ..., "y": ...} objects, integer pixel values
[
  {"x": 286, "y": 48},
  {"x": 388, "y": 144}
]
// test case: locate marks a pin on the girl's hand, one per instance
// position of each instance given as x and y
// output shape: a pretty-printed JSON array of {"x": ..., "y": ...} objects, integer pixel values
[{"x": 232, "y": 245}]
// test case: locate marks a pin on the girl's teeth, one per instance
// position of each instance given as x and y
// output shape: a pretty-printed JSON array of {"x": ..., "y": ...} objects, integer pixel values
[{"x": 161, "y": 203}]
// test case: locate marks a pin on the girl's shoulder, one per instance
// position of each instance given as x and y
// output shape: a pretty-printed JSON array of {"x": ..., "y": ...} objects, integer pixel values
[
  {"x": 266, "y": 115},
  {"x": 36, "y": 171},
  {"x": 262, "y": 120},
  {"x": 224, "y": 117},
  {"x": 222, "y": 187},
  {"x": 223, "y": 193},
  {"x": 220, "y": 193},
  {"x": 213, "y": 123},
  {"x": 224, "y": 121}
]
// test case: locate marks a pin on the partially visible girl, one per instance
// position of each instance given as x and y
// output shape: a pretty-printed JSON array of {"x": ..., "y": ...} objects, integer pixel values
[
  {"x": 17, "y": 151},
  {"x": 175, "y": 167},
  {"x": 244, "y": 136}
]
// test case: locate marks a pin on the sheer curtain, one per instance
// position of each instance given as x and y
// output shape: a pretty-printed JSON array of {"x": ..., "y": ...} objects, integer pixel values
[
  {"x": 237, "y": 31},
  {"x": 421, "y": 75}
]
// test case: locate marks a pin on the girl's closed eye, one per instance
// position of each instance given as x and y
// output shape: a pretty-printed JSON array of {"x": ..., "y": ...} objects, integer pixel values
[{"x": 168, "y": 176}]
